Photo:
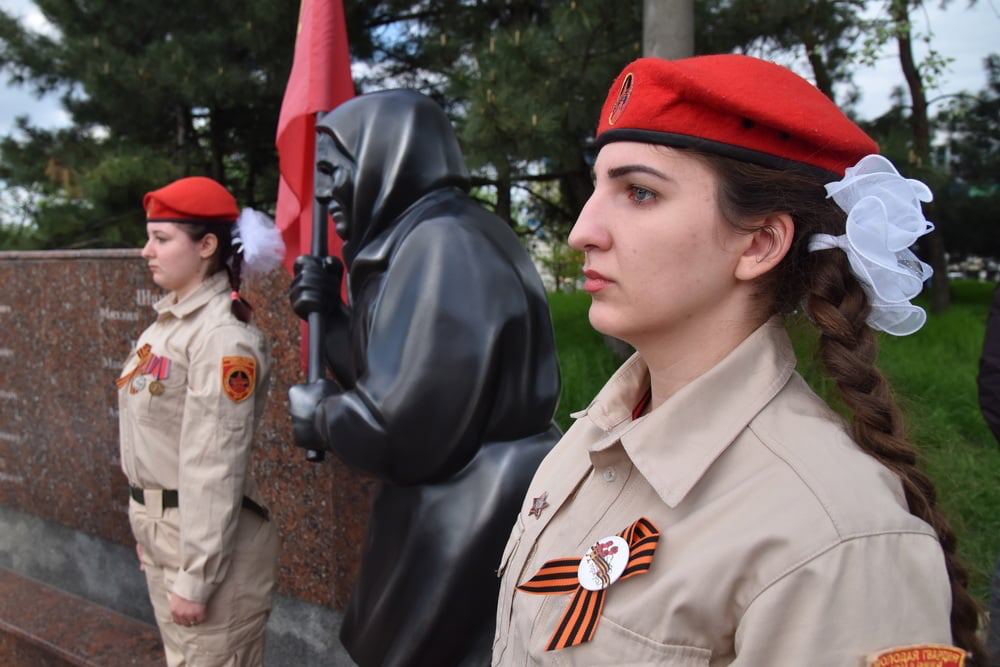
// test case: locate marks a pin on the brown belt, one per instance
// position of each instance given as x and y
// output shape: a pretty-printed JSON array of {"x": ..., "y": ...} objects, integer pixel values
[{"x": 170, "y": 499}]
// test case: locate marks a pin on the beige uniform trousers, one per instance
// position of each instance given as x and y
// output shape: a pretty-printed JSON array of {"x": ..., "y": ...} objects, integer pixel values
[{"x": 232, "y": 634}]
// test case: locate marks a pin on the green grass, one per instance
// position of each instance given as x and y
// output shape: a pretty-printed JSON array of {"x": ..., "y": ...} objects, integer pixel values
[
  {"x": 933, "y": 374},
  {"x": 584, "y": 360}
]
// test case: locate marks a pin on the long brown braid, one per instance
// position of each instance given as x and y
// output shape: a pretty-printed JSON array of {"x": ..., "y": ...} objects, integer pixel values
[
  {"x": 822, "y": 282},
  {"x": 225, "y": 258}
]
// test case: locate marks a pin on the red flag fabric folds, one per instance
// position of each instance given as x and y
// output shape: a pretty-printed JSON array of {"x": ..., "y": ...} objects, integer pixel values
[{"x": 320, "y": 80}]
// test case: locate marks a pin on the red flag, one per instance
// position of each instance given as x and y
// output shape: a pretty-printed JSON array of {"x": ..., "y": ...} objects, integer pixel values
[{"x": 319, "y": 81}]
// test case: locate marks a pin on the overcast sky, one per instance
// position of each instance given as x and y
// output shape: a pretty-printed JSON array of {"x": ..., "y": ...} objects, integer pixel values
[{"x": 966, "y": 34}]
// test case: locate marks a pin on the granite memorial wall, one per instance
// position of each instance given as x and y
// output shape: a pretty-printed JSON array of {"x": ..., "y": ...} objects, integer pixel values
[{"x": 68, "y": 322}]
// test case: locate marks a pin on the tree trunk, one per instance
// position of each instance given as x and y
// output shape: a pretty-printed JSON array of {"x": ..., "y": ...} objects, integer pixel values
[
  {"x": 503, "y": 192},
  {"x": 940, "y": 298},
  {"x": 180, "y": 129},
  {"x": 576, "y": 189},
  {"x": 217, "y": 141},
  {"x": 668, "y": 28},
  {"x": 940, "y": 295},
  {"x": 820, "y": 72},
  {"x": 918, "y": 118},
  {"x": 250, "y": 187},
  {"x": 184, "y": 137}
]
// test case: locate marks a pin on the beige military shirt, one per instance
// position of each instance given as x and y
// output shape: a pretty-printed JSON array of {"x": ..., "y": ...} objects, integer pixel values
[
  {"x": 781, "y": 542},
  {"x": 193, "y": 432}
]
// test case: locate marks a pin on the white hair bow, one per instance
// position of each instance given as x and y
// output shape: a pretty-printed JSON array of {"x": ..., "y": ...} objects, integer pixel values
[
  {"x": 884, "y": 219},
  {"x": 259, "y": 241}
]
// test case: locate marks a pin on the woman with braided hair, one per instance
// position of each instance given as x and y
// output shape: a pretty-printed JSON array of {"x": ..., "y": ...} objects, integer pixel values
[
  {"x": 190, "y": 397},
  {"x": 754, "y": 526}
]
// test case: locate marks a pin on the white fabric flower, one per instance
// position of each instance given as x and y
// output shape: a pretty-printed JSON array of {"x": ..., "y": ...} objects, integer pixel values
[
  {"x": 259, "y": 241},
  {"x": 884, "y": 219}
]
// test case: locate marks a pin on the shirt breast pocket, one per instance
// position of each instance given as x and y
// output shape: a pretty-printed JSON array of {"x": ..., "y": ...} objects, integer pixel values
[
  {"x": 159, "y": 401},
  {"x": 506, "y": 592},
  {"x": 616, "y": 645},
  {"x": 512, "y": 543}
]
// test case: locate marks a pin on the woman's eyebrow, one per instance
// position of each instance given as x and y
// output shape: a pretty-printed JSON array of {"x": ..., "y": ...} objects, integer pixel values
[{"x": 618, "y": 172}]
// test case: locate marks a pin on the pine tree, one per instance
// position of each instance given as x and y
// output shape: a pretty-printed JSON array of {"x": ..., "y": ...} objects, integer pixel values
[
  {"x": 824, "y": 31},
  {"x": 154, "y": 92},
  {"x": 523, "y": 81}
]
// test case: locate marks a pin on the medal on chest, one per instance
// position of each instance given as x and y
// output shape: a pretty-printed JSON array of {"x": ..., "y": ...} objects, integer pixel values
[{"x": 158, "y": 369}]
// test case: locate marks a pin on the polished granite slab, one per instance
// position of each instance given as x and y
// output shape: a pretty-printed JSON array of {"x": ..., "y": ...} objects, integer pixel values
[
  {"x": 44, "y": 627},
  {"x": 68, "y": 320}
]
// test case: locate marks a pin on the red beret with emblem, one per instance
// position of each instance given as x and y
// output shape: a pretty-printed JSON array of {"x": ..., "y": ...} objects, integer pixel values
[
  {"x": 194, "y": 199},
  {"x": 733, "y": 105}
]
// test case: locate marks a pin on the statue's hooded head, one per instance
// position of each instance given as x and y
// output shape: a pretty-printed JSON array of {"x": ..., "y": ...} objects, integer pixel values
[{"x": 377, "y": 154}]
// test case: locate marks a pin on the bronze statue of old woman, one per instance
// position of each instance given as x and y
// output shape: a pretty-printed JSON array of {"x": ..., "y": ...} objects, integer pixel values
[{"x": 445, "y": 377}]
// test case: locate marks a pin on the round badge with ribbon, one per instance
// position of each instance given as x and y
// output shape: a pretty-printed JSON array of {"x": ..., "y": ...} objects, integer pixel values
[
  {"x": 628, "y": 554},
  {"x": 603, "y": 563}
]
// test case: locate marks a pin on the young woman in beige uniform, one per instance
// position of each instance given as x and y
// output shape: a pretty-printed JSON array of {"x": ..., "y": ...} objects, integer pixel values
[
  {"x": 707, "y": 508},
  {"x": 190, "y": 397}
]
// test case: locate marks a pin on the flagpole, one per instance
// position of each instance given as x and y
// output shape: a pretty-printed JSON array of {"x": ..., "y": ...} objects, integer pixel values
[
  {"x": 319, "y": 249},
  {"x": 319, "y": 80}
]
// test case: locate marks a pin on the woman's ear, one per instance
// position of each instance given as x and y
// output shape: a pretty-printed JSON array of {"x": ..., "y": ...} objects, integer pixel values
[
  {"x": 769, "y": 243},
  {"x": 207, "y": 246}
]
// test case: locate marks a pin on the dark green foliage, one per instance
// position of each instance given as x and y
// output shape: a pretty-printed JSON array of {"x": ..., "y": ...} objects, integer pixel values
[
  {"x": 822, "y": 30},
  {"x": 76, "y": 191},
  {"x": 973, "y": 125},
  {"x": 968, "y": 198},
  {"x": 155, "y": 92},
  {"x": 969, "y": 214},
  {"x": 524, "y": 82},
  {"x": 161, "y": 91}
]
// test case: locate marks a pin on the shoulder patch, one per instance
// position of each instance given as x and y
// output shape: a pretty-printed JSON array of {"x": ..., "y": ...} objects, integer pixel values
[
  {"x": 239, "y": 374},
  {"x": 919, "y": 655}
]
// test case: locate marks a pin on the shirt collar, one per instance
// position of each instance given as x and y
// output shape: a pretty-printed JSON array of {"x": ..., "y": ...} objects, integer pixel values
[
  {"x": 675, "y": 444},
  {"x": 209, "y": 288}
]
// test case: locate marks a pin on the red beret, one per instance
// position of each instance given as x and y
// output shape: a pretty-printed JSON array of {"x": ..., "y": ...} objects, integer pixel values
[
  {"x": 194, "y": 199},
  {"x": 733, "y": 105}
]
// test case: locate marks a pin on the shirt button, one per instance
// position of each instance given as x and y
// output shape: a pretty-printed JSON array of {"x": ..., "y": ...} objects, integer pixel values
[{"x": 609, "y": 474}]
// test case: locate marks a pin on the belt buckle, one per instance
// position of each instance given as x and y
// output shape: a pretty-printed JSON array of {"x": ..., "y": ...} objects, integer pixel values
[{"x": 154, "y": 503}]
